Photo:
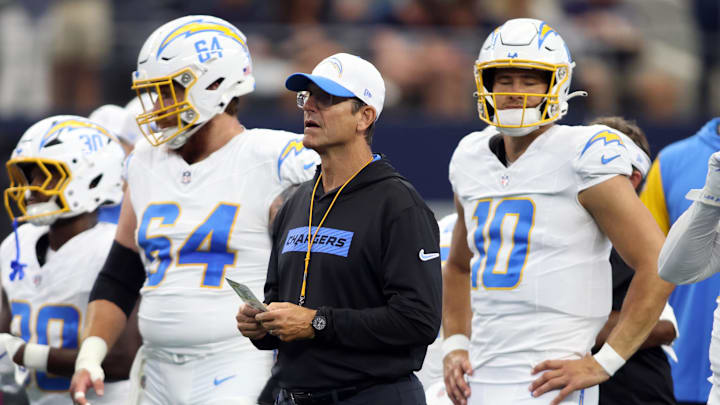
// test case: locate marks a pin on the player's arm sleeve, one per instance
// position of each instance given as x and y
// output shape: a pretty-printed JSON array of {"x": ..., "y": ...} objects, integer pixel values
[
  {"x": 269, "y": 342},
  {"x": 653, "y": 196},
  {"x": 295, "y": 163},
  {"x": 603, "y": 156},
  {"x": 120, "y": 279},
  {"x": 691, "y": 252},
  {"x": 413, "y": 287}
]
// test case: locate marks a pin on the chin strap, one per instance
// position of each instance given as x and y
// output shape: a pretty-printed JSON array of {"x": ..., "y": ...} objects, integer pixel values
[
  {"x": 17, "y": 267},
  {"x": 181, "y": 139}
]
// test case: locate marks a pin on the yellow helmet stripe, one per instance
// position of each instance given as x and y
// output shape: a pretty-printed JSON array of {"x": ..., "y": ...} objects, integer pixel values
[
  {"x": 73, "y": 123},
  {"x": 198, "y": 26},
  {"x": 545, "y": 30}
]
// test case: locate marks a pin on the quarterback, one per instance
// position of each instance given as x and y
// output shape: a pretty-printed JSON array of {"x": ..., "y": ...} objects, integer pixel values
[
  {"x": 63, "y": 169},
  {"x": 527, "y": 284},
  {"x": 196, "y": 211}
]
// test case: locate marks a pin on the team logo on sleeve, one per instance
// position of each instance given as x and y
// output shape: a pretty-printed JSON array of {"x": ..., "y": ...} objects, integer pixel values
[
  {"x": 607, "y": 138},
  {"x": 292, "y": 148},
  {"x": 328, "y": 240}
]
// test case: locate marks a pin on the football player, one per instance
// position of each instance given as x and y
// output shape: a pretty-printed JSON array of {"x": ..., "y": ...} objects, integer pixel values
[
  {"x": 122, "y": 124},
  {"x": 120, "y": 121},
  {"x": 196, "y": 210},
  {"x": 691, "y": 254},
  {"x": 527, "y": 285},
  {"x": 62, "y": 171}
]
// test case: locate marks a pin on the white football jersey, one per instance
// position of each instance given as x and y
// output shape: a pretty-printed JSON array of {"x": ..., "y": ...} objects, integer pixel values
[
  {"x": 540, "y": 274},
  {"x": 49, "y": 303},
  {"x": 200, "y": 223}
]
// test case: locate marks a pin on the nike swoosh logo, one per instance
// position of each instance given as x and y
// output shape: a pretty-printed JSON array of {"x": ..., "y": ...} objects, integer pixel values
[
  {"x": 222, "y": 380},
  {"x": 427, "y": 256},
  {"x": 3, "y": 355},
  {"x": 606, "y": 161},
  {"x": 309, "y": 165}
]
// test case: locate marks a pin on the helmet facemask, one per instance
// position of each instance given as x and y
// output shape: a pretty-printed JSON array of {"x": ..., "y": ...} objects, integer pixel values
[
  {"x": 521, "y": 121},
  {"x": 168, "y": 115},
  {"x": 52, "y": 185}
]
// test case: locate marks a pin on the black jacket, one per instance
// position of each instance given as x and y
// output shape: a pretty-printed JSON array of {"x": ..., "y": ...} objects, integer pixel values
[{"x": 382, "y": 302}]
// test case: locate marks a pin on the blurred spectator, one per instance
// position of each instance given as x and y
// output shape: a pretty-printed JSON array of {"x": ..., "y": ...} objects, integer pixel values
[
  {"x": 24, "y": 59},
  {"x": 707, "y": 15},
  {"x": 80, "y": 46},
  {"x": 668, "y": 67}
]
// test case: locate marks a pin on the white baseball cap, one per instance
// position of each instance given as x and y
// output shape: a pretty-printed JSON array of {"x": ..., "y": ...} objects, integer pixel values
[{"x": 344, "y": 75}]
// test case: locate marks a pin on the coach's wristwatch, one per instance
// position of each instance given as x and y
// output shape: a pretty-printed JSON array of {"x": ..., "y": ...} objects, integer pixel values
[{"x": 320, "y": 323}]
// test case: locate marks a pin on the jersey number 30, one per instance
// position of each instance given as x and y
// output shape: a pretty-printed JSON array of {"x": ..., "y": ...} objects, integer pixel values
[
  {"x": 502, "y": 238},
  {"x": 207, "y": 245}
]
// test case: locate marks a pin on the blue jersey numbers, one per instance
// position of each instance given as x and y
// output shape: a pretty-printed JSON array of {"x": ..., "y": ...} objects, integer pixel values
[
  {"x": 207, "y": 246},
  {"x": 502, "y": 238},
  {"x": 56, "y": 325},
  {"x": 92, "y": 142},
  {"x": 157, "y": 248}
]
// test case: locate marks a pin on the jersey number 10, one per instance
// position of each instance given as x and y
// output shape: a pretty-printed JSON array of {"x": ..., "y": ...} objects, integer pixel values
[{"x": 502, "y": 238}]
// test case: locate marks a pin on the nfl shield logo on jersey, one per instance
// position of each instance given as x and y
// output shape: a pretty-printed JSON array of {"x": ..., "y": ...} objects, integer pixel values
[
  {"x": 37, "y": 279},
  {"x": 505, "y": 180},
  {"x": 186, "y": 177}
]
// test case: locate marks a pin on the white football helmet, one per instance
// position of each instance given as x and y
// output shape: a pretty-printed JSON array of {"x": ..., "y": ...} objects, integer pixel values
[
  {"x": 81, "y": 164},
  {"x": 524, "y": 43},
  {"x": 118, "y": 120},
  {"x": 205, "y": 56}
]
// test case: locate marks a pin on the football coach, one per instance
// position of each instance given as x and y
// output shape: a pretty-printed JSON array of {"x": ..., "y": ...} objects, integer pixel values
[{"x": 354, "y": 282}]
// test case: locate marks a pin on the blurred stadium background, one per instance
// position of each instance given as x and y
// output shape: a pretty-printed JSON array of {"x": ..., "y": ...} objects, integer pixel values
[{"x": 655, "y": 61}]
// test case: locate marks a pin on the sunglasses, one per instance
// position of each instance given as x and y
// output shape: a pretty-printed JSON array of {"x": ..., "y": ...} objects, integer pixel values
[{"x": 322, "y": 99}]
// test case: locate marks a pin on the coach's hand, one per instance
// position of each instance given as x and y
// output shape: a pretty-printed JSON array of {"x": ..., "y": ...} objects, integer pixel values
[
  {"x": 567, "y": 376},
  {"x": 288, "y": 321},
  {"x": 81, "y": 384},
  {"x": 247, "y": 324},
  {"x": 455, "y": 365}
]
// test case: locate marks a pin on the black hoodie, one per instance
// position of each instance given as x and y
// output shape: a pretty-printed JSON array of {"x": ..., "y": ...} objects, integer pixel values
[{"x": 374, "y": 274}]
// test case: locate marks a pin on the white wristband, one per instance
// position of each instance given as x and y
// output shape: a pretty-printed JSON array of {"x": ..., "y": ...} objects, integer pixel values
[
  {"x": 36, "y": 356},
  {"x": 91, "y": 355},
  {"x": 609, "y": 359},
  {"x": 455, "y": 342}
]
